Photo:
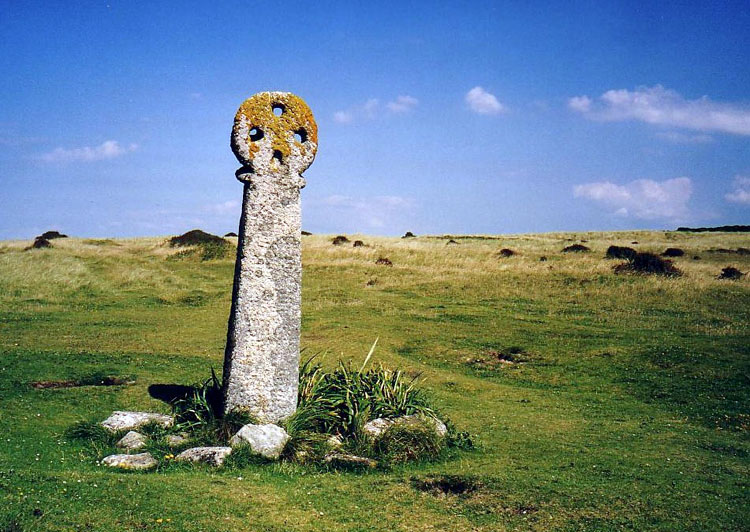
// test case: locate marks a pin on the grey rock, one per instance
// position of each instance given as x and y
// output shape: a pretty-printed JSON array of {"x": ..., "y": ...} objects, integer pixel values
[
  {"x": 375, "y": 428},
  {"x": 349, "y": 461},
  {"x": 124, "y": 420},
  {"x": 214, "y": 456},
  {"x": 335, "y": 441},
  {"x": 175, "y": 440},
  {"x": 261, "y": 360},
  {"x": 133, "y": 462},
  {"x": 266, "y": 440},
  {"x": 132, "y": 441}
]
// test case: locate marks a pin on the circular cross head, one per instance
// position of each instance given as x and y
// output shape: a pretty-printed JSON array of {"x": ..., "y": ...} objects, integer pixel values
[{"x": 274, "y": 132}]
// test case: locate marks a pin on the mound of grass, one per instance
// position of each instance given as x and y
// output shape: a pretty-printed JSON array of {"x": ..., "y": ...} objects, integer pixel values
[
  {"x": 731, "y": 273},
  {"x": 49, "y": 235},
  {"x": 620, "y": 252},
  {"x": 576, "y": 248},
  {"x": 196, "y": 237},
  {"x": 673, "y": 252},
  {"x": 407, "y": 442},
  {"x": 648, "y": 263},
  {"x": 205, "y": 246}
]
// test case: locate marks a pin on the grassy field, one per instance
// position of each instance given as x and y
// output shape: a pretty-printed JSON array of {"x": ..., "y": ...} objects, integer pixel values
[{"x": 627, "y": 406}]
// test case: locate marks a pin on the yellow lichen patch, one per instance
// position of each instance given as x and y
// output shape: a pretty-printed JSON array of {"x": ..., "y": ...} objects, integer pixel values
[{"x": 258, "y": 112}]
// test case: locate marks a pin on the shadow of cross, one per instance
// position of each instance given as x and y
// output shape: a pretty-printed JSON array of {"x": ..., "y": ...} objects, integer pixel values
[{"x": 275, "y": 138}]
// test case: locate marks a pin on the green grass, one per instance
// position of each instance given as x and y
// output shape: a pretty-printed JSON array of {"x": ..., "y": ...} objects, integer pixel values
[{"x": 626, "y": 406}]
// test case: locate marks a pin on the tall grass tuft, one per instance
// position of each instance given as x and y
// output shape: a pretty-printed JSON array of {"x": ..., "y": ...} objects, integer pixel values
[{"x": 343, "y": 400}]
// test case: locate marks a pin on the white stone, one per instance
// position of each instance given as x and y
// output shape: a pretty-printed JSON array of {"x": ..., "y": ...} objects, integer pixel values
[
  {"x": 335, "y": 441},
  {"x": 123, "y": 420},
  {"x": 130, "y": 461},
  {"x": 132, "y": 441},
  {"x": 266, "y": 440},
  {"x": 261, "y": 359},
  {"x": 375, "y": 428},
  {"x": 214, "y": 456},
  {"x": 175, "y": 440}
]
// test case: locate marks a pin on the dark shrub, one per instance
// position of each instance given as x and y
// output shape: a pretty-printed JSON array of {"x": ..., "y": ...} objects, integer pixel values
[
  {"x": 409, "y": 234},
  {"x": 382, "y": 261},
  {"x": 358, "y": 244},
  {"x": 542, "y": 259},
  {"x": 673, "y": 252},
  {"x": 505, "y": 252},
  {"x": 40, "y": 243},
  {"x": 195, "y": 237},
  {"x": 306, "y": 233},
  {"x": 648, "y": 263},
  {"x": 576, "y": 248},
  {"x": 451, "y": 241},
  {"x": 231, "y": 234},
  {"x": 731, "y": 273},
  {"x": 341, "y": 239},
  {"x": 49, "y": 235},
  {"x": 619, "y": 252}
]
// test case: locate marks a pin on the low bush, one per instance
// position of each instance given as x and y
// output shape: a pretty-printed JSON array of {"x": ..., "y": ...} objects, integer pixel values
[
  {"x": 648, "y": 263},
  {"x": 620, "y": 252},
  {"x": 673, "y": 252},
  {"x": 731, "y": 273},
  {"x": 505, "y": 252},
  {"x": 576, "y": 248}
]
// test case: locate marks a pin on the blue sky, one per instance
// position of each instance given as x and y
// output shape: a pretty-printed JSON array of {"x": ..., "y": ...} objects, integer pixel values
[{"x": 434, "y": 117}]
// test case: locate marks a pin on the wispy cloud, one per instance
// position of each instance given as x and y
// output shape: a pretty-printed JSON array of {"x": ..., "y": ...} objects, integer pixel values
[
  {"x": 682, "y": 138},
  {"x": 402, "y": 104},
  {"x": 482, "y": 102},
  {"x": 740, "y": 190},
  {"x": 660, "y": 106},
  {"x": 109, "y": 149},
  {"x": 373, "y": 108},
  {"x": 364, "y": 213},
  {"x": 224, "y": 207},
  {"x": 644, "y": 198}
]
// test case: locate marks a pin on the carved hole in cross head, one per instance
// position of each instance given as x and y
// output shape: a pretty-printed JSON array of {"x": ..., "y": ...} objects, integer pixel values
[
  {"x": 256, "y": 134},
  {"x": 278, "y": 156},
  {"x": 300, "y": 135},
  {"x": 278, "y": 109}
]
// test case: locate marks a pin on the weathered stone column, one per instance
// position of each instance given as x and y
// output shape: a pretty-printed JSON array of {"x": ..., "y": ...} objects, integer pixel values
[{"x": 275, "y": 138}]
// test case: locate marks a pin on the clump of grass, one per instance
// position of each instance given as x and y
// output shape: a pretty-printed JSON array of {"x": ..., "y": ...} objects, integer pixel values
[
  {"x": 405, "y": 442},
  {"x": 731, "y": 273},
  {"x": 620, "y": 252},
  {"x": 200, "y": 413},
  {"x": 205, "y": 246},
  {"x": 91, "y": 431},
  {"x": 648, "y": 263},
  {"x": 576, "y": 248},
  {"x": 342, "y": 400}
]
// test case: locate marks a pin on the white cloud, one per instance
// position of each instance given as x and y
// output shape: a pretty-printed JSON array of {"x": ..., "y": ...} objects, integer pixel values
[
  {"x": 482, "y": 102},
  {"x": 580, "y": 103},
  {"x": 644, "y": 198},
  {"x": 365, "y": 213},
  {"x": 373, "y": 109},
  {"x": 342, "y": 117},
  {"x": 741, "y": 190},
  {"x": 660, "y": 106},
  {"x": 402, "y": 104},
  {"x": 109, "y": 149},
  {"x": 225, "y": 207},
  {"x": 681, "y": 138}
]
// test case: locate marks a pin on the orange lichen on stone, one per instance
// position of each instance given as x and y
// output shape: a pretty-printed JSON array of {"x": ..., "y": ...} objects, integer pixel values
[{"x": 258, "y": 113}]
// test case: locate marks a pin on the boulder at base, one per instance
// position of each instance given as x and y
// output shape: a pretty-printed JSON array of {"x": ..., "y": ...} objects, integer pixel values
[
  {"x": 266, "y": 440},
  {"x": 132, "y": 441},
  {"x": 123, "y": 420},
  {"x": 214, "y": 456},
  {"x": 133, "y": 462},
  {"x": 375, "y": 428}
]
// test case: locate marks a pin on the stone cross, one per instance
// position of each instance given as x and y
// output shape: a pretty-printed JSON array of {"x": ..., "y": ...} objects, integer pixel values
[{"x": 275, "y": 138}]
